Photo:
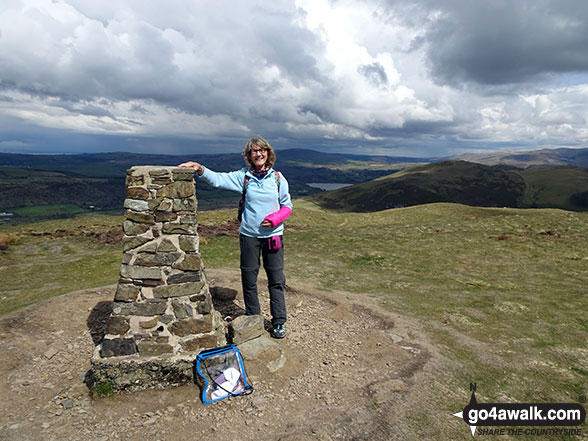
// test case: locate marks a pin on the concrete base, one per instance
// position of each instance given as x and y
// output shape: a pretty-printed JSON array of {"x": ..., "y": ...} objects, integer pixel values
[{"x": 134, "y": 373}]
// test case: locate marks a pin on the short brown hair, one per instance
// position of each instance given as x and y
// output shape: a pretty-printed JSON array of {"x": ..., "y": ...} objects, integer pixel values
[{"x": 258, "y": 141}]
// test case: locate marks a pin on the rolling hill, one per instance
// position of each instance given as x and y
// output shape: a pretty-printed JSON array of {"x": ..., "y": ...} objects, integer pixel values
[
  {"x": 466, "y": 183},
  {"x": 529, "y": 158}
]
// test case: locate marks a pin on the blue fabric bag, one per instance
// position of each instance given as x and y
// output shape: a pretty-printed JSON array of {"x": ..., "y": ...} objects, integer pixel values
[{"x": 221, "y": 374}]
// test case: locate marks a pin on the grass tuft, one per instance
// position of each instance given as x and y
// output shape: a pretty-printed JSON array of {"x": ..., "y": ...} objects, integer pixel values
[{"x": 101, "y": 390}]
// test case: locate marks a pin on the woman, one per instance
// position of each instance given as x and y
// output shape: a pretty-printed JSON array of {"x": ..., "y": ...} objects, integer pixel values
[{"x": 266, "y": 204}]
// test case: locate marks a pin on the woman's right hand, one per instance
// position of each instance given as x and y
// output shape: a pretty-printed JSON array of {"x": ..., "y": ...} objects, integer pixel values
[{"x": 198, "y": 168}]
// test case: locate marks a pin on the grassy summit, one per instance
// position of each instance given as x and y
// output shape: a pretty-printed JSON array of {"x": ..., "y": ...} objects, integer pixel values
[{"x": 499, "y": 293}]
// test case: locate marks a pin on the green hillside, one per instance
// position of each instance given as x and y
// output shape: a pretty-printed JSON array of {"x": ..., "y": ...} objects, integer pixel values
[
  {"x": 450, "y": 181},
  {"x": 557, "y": 187},
  {"x": 465, "y": 183}
]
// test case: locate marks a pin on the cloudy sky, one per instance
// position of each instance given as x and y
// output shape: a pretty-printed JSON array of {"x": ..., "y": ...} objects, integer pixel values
[{"x": 394, "y": 77}]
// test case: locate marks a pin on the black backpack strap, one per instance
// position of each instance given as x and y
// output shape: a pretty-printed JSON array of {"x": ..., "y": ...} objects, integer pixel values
[{"x": 245, "y": 181}]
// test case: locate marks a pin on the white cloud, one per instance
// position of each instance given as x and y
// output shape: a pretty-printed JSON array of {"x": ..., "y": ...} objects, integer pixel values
[{"x": 371, "y": 73}]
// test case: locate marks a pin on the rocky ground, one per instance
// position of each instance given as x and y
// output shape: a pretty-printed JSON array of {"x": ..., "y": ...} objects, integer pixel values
[{"x": 350, "y": 373}]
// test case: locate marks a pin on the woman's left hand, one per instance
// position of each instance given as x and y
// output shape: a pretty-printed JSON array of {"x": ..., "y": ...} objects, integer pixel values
[{"x": 267, "y": 224}]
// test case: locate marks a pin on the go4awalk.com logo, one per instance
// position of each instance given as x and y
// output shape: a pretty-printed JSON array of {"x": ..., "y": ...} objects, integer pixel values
[{"x": 500, "y": 418}]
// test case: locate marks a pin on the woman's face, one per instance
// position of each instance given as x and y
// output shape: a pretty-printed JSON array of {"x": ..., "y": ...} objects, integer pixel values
[{"x": 258, "y": 157}]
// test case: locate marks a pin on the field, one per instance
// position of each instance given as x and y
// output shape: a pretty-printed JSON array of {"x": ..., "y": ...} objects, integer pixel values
[{"x": 496, "y": 296}]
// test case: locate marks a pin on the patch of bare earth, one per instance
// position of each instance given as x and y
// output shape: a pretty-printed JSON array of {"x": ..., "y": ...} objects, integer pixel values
[{"x": 350, "y": 373}]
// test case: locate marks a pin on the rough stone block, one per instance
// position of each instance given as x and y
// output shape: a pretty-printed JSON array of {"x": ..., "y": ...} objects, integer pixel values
[
  {"x": 166, "y": 205},
  {"x": 166, "y": 246},
  {"x": 130, "y": 243},
  {"x": 191, "y": 262},
  {"x": 117, "y": 325},
  {"x": 137, "y": 193},
  {"x": 159, "y": 173},
  {"x": 182, "y": 328},
  {"x": 134, "y": 180},
  {"x": 166, "y": 318},
  {"x": 134, "y": 228},
  {"x": 148, "y": 324},
  {"x": 140, "y": 272},
  {"x": 179, "y": 189},
  {"x": 138, "y": 216},
  {"x": 188, "y": 219},
  {"x": 179, "y": 290},
  {"x": 136, "y": 205},
  {"x": 169, "y": 228},
  {"x": 165, "y": 216},
  {"x": 181, "y": 310},
  {"x": 117, "y": 347},
  {"x": 126, "y": 293},
  {"x": 150, "y": 349},
  {"x": 188, "y": 243},
  {"x": 181, "y": 175},
  {"x": 188, "y": 276},
  {"x": 200, "y": 343},
  {"x": 186, "y": 204},
  {"x": 205, "y": 306},
  {"x": 154, "y": 203},
  {"x": 157, "y": 259},
  {"x": 245, "y": 328}
]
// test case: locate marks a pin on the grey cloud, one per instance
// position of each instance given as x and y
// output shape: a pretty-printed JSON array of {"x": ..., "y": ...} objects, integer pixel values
[
  {"x": 375, "y": 73},
  {"x": 283, "y": 43},
  {"x": 509, "y": 42},
  {"x": 500, "y": 42}
]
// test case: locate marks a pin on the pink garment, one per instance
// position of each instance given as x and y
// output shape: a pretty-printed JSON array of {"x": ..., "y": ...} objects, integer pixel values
[{"x": 279, "y": 216}]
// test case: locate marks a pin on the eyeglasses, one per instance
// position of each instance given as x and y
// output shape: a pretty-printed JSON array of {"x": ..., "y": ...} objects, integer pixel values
[{"x": 258, "y": 151}]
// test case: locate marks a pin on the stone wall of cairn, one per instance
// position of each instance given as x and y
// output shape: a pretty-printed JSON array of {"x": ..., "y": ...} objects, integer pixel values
[{"x": 162, "y": 312}]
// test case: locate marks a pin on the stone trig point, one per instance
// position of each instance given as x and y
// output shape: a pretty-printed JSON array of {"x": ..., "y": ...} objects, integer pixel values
[{"x": 162, "y": 312}]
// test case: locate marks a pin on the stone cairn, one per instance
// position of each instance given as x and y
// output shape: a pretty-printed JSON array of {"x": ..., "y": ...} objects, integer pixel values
[{"x": 162, "y": 312}]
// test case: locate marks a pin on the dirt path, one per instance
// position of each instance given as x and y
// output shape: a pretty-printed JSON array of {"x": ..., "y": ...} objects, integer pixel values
[{"x": 348, "y": 375}]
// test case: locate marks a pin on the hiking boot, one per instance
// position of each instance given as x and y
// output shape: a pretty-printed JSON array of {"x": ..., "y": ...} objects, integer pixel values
[{"x": 278, "y": 331}]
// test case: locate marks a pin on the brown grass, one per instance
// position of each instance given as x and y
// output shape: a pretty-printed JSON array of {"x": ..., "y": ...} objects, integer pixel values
[{"x": 6, "y": 240}]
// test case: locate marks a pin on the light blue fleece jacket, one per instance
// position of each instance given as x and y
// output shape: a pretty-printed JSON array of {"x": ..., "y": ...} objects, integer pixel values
[{"x": 261, "y": 198}]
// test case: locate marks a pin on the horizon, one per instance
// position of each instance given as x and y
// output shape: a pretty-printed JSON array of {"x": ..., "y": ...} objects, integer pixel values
[
  {"x": 406, "y": 78},
  {"x": 278, "y": 151}
]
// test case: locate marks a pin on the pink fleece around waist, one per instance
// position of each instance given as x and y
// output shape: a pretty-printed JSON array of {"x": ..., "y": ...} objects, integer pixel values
[{"x": 279, "y": 216}]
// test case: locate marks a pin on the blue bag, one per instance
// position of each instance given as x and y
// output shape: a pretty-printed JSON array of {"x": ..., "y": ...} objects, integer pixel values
[{"x": 221, "y": 373}]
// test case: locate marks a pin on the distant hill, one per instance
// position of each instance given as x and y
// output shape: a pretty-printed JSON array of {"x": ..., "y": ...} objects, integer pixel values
[
  {"x": 116, "y": 163},
  {"x": 466, "y": 183},
  {"x": 62, "y": 182},
  {"x": 529, "y": 158},
  {"x": 21, "y": 187}
]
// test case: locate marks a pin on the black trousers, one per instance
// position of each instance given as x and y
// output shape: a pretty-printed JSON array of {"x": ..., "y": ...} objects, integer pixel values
[{"x": 273, "y": 263}]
